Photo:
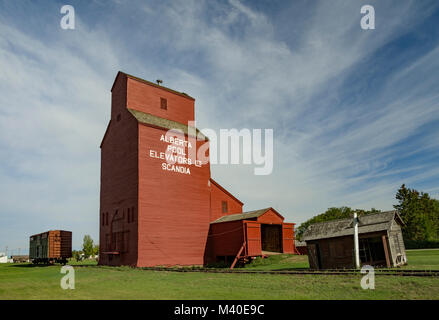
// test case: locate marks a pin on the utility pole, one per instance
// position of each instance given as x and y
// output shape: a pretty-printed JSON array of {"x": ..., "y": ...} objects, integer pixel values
[{"x": 356, "y": 244}]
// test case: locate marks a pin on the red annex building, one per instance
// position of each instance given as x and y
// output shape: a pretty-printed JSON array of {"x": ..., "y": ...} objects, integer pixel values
[{"x": 159, "y": 212}]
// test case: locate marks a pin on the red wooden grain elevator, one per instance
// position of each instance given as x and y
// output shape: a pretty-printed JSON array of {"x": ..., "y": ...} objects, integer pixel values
[{"x": 153, "y": 212}]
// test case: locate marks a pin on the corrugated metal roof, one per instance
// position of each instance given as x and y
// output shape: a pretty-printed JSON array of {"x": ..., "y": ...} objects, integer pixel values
[
  {"x": 241, "y": 216},
  {"x": 343, "y": 227},
  {"x": 149, "y": 119}
]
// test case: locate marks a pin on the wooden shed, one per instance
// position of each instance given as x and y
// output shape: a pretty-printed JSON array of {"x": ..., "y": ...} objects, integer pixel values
[
  {"x": 331, "y": 244},
  {"x": 249, "y": 234}
]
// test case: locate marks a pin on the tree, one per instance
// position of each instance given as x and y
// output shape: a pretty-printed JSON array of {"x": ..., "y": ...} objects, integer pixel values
[
  {"x": 420, "y": 214},
  {"x": 76, "y": 255},
  {"x": 87, "y": 246},
  {"x": 96, "y": 250}
]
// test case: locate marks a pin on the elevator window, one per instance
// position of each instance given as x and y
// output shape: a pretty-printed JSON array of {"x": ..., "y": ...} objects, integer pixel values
[
  {"x": 225, "y": 209},
  {"x": 163, "y": 104}
]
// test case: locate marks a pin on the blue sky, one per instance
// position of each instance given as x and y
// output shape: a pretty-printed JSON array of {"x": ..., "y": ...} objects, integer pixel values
[{"x": 355, "y": 112}]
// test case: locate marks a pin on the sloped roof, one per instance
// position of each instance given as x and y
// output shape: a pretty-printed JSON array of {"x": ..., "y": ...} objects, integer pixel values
[
  {"x": 241, "y": 216},
  {"x": 225, "y": 191},
  {"x": 343, "y": 227},
  {"x": 149, "y": 119},
  {"x": 183, "y": 94}
]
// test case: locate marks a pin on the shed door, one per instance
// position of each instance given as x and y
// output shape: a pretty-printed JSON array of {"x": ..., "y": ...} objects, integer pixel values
[
  {"x": 288, "y": 238},
  {"x": 271, "y": 237},
  {"x": 253, "y": 238},
  {"x": 314, "y": 256}
]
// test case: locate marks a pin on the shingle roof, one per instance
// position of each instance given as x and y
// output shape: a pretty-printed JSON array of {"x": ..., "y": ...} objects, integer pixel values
[
  {"x": 343, "y": 227},
  {"x": 241, "y": 216},
  {"x": 150, "y": 119}
]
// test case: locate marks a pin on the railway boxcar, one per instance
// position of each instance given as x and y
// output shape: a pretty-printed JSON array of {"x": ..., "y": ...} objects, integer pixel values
[{"x": 54, "y": 246}]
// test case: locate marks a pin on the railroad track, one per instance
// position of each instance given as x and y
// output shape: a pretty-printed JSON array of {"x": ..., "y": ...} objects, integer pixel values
[
  {"x": 339, "y": 272},
  {"x": 384, "y": 272}
]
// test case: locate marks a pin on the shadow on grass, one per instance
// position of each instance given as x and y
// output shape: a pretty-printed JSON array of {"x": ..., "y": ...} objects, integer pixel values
[
  {"x": 32, "y": 265},
  {"x": 36, "y": 265},
  {"x": 292, "y": 269}
]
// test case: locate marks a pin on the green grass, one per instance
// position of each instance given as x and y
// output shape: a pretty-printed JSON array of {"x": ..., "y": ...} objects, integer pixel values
[
  {"x": 87, "y": 262},
  {"x": 24, "y": 281},
  {"x": 425, "y": 259},
  {"x": 279, "y": 262}
]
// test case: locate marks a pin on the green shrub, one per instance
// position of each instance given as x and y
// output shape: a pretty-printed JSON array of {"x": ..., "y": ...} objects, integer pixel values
[{"x": 421, "y": 244}]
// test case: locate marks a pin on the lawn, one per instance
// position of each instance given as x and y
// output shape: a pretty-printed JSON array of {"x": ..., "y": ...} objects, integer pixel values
[
  {"x": 425, "y": 259},
  {"x": 24, "y": 281},
  {"x": 279, "y": 262}
]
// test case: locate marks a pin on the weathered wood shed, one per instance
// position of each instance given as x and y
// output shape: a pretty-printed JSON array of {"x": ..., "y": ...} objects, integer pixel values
[
  {"x": 249, "y": 234},
  {"x": 331, "y": 244}
]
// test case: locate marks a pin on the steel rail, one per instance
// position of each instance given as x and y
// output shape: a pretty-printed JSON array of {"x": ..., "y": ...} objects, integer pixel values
[{"x": 346, "y": 272}]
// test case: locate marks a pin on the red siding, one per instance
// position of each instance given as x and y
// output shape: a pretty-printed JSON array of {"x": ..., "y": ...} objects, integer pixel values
[
  {"x": 253, "y": 238},
  {"x": 225, "y": 239},
  {"x": 172, "y": 210},
  {"x": 217, "y": 196},
  {"x": 146, "y": 98},
  {"x": 173, "y": 207},
  {"x": 118, "y": 179},
  {"x": 270, "y": 217},
  {"x": 288, "y": 238}
]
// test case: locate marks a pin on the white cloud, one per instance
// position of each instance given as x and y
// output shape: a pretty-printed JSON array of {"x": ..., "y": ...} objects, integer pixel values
[
  {"x": 54, "y": 108},
  {"x": 55, "y": 104},
  {"x": 263, "y": 82}
]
